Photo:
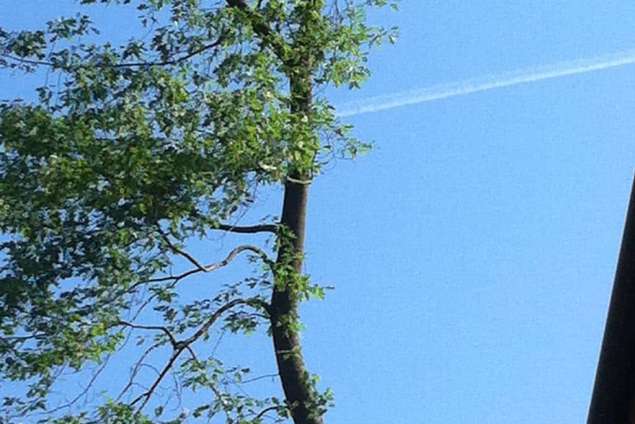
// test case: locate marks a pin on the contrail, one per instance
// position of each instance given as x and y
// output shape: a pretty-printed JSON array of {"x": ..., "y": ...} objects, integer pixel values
[{"x": 490, "y": 82}]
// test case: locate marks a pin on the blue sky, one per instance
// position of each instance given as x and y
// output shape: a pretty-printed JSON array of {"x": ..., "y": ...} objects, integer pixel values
[{"x": 473, "y": 250}]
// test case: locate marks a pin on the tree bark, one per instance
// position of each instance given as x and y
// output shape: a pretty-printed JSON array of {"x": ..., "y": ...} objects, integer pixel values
[{"x": 298, "y": 389}]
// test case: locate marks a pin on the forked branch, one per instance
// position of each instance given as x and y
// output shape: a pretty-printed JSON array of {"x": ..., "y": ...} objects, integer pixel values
[{"x": 180, "y": 346}]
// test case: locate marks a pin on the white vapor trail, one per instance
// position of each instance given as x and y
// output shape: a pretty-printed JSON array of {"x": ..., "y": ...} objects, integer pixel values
[{"x": 490, "y": 82}]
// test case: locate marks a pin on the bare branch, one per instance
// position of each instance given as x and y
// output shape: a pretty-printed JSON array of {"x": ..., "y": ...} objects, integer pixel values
[
  {"x": 136, "y": 369},
  {"x": 260, "y": 377},
  {"x": 148, "y": 394},
  {"x": 163, "y": 329},
  {"x": 83, "y": 392},
  {"x": 180, "y": 346},
  {"x": 181, "y": 252},
  {"x": 213, "y": 266},
  {"x": 264, "y": 411},
  {"x": 211, "y": 320},
  {"x": 251, "y": 229}
]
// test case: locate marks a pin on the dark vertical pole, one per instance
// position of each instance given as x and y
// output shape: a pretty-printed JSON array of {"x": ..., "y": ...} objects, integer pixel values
[{"x": 613, "y": 400}]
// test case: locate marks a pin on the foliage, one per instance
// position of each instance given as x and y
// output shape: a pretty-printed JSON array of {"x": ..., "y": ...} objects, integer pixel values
[{"x": 140, "y": 149}]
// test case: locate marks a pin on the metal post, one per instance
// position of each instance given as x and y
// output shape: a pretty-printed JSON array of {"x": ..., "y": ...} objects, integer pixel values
[{"x": 613, "y": 400}]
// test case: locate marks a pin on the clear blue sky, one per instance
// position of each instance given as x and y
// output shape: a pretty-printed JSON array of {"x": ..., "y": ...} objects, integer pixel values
[{"x": 474, "y": 248}]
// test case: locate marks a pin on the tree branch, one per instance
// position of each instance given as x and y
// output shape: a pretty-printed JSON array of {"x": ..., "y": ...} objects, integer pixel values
[
  {"x": 180, "y": 346},
  {"x": 122, "y": 65},
  {"x": 264, "y": 411},
  {"x": 181, "y": 252},
  {"x": 83, "y": 392},
  {"x": 163, "y": 329},
  {"x": 213, "y": 266},
  {"x": 250, "y": 229},
  {"x": 211, "y": 320},
  {"x": 136, "y": 369},
  {"x": 260, "y": 377},
  {"x": 148, "y": 394}
]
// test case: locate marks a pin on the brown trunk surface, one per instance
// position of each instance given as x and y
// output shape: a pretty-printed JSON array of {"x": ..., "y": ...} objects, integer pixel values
[{"x": 298, "y": 390}]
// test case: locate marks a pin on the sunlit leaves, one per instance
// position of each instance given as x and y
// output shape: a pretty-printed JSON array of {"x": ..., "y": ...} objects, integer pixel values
[{"x": 161, "y": 137}]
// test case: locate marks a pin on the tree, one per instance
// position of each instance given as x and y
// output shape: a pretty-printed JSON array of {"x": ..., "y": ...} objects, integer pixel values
[{"x": 141, "y": 149}]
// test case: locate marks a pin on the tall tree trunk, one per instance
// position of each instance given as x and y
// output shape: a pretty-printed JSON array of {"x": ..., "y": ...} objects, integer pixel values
[
  {"x": 298, "y": 389},
  {"x": 300, "y": 393}
]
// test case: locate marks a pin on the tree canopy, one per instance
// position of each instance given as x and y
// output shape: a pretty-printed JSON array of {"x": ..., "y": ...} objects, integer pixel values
[{"x": 139, "y": 149}]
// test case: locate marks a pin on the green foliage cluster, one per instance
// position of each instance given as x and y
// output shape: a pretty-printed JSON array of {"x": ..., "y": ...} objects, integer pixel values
[{"x": 138, "y": 149}]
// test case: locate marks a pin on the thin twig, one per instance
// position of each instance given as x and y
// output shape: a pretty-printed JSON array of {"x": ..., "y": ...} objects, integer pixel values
[
  {"x": 163, "y": 329},
  {"x": 185, "y": 344},
  {"x": 260, "y": 377},
  {"x": 136, "y": 369},
  {"x": 82, "y": 393}
]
